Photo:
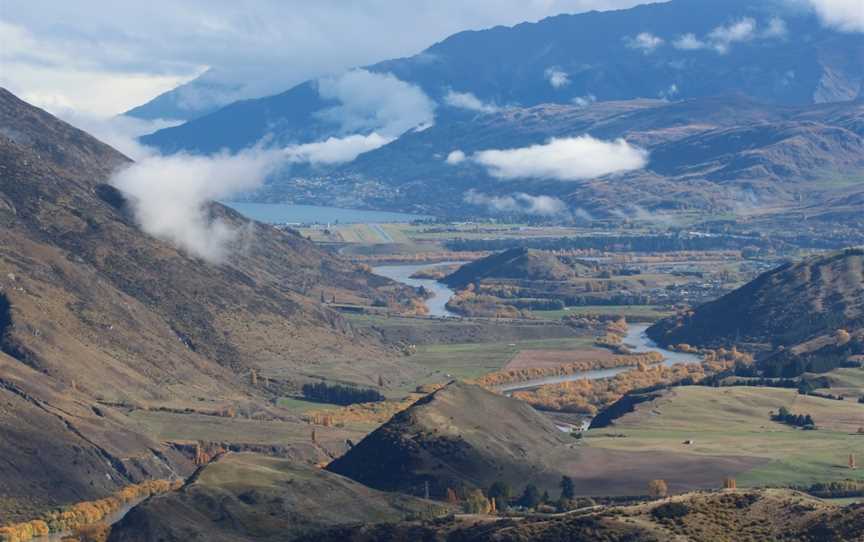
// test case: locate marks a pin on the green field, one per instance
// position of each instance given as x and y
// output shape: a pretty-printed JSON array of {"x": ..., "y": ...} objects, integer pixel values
[
  {"x": 735, "y": 421},
  {"x": 472, "y": 360}
]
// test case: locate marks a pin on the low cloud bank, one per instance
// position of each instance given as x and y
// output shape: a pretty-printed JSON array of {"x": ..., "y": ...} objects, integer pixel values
[
  {"x": 170, "y": 196},
  {"x": 380, "y": 102},
  {"x": 518, "y": 202},
  {"x": 564, "y": 159},
  {"x": 644, "y": 41},
  {"x": 557, "y": 77}
]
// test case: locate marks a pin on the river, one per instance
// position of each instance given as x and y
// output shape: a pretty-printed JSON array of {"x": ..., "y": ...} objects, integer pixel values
[
  {"x": 440, "y": 292},
  {"x": 636, "y": 340}
]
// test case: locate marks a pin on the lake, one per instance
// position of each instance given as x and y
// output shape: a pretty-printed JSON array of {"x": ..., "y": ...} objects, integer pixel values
[{"x": 288, "y": 213}]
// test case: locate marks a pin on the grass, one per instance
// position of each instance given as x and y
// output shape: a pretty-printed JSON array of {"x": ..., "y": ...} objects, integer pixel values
[
  {"x": 736, "y": 422},
  {"x": 472, "y": 360},
  {"x": 627, "y": 311},
  {"x": 302, "y": 406}
]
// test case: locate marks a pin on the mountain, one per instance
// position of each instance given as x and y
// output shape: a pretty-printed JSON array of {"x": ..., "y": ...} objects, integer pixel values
[
  {"x": 203, "y": 95},
  {"x": 458, "y": 435},
  {"x": 772, "y": 51},
  {"x": 726, "y": 153},
  {"x": 98, "y": 319},
  {"x": 253, "y": 497},
  {"x": 516, "y": 263},
  {"x": 791, "y": 315}
]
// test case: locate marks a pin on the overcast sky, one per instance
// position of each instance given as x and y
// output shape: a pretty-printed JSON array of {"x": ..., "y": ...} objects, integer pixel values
[{"x": 101, "y": 57}]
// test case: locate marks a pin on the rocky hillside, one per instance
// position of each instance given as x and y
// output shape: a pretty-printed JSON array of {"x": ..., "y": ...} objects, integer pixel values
[
  {"x": 253, "y": 497},
  {"x": 813, "y": 309},
  {"x": 96, "y": 315},
  {"x": 516, "y": 263},
  {"x": 458, "y": 435}
]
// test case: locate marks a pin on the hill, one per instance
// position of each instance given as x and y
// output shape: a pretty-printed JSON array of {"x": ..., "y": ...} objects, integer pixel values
[
  {"x": 253, "y": 497},
  {"x": 458, "y": 435},
  {"x": 516, "y": 263},
  {"x": 793, "y": 312},
  {"x": 97, "y": 319}
]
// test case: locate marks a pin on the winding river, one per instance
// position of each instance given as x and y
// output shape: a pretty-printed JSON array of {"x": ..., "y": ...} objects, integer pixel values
[
  {"x": 636, "y": 340},
  {"x": 441, "y": 294}
]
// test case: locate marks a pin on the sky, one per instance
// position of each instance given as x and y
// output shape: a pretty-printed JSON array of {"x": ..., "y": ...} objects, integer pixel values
[{"x": 102, "y": 58}]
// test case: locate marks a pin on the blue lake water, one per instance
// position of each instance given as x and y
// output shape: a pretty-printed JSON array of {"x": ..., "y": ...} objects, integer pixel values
[{"x": 287, "y": 213}]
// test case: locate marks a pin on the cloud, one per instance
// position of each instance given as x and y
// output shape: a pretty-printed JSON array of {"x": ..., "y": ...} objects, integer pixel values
[
  {"x": 518, "y": 202},
  {"x": 669, "y": 93},
  {"x": 121, "y": 132},
  {"x": 584, "y": 101},
  {"x": 644, "y": 41},
  {"x": 557, "y": 78},
  {"x": 170, "y": 196},
  {"x": 466, "y": 100},
  {"x": 845, "y": 15},
  {"x": 722, "y": 38},
  {"x": 456, "y": 157},
  {"x": 105, "y": 57},
  {"x": 378, "y": 102},
  {"x": 335, "y": 150},
  {"x": 565, "y": 159},
  {"x": 689, "y": 42}
]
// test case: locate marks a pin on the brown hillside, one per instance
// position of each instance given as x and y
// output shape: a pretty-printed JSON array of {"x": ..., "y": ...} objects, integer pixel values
[{"x": 94, "y": 313}]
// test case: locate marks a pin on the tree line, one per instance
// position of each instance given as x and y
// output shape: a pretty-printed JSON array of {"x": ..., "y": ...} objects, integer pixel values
[{"x": 338, "y": 394}]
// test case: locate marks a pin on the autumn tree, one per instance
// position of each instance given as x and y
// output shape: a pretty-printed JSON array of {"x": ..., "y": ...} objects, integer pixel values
[
  {"x": 501, "y": 493},
  {"x": 658, "y": 488},
  {"x": 476, "y": 503},
  {"x": 452, "y": 498},
  {"x": 852, "y": 464},
  {"x": 729, "y": 483}
]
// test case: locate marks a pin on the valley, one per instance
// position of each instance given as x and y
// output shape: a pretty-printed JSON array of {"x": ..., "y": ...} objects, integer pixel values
[{"x": 588, "y": 276}]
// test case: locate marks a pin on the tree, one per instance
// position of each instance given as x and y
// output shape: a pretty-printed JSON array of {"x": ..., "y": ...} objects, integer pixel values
[
  {"x": 501, "y": 493},
  {"x": 658, "y": 488},
  {"x": 452, "y": 498},
  {"x": 729, "y": 483},
  {"x": 852, "y": 461},
  {"x": 568, "y": 488},
  {"x": 530, "y": 497},
  {"x": 476, "y": 503}
]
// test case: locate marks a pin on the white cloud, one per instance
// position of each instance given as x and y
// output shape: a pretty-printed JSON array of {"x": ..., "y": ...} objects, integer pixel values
[
  {"x": 689, "y": 42},
  {"x": 455, "y": 157},
  {"x": 121, "y": 132},
  {"x": 466, "y": 100},
  {"x": 777, "y": 28},
  {"x": 846, "y": 15},
  {"x": 644, "y": 41},
  {"x": 565, "y": 159},
  {"x": 584, "y": 101},
  {"x": 669, "y": 92},
  {"x": 518, "y": 202},
  {"x": 557, "y": 78},
  {"x": 335, "y": 150},
  {"x": 375, "y": 102},
  {"x": 170, "y": 196},
  {"x": 722, "y": 37},
  {"x": 104, "y": 57}
]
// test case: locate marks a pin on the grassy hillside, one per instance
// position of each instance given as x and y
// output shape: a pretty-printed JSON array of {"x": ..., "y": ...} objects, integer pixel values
[
  {"x": 254, "y": 497},
  {"x": 735, "y": 421},
  {"x": 516, "y": 263},
  {"x": 458, "y": 435}
]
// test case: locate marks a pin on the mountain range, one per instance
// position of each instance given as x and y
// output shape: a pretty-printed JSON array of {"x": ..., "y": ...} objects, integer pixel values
[{"x": 723, "y": 106}]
